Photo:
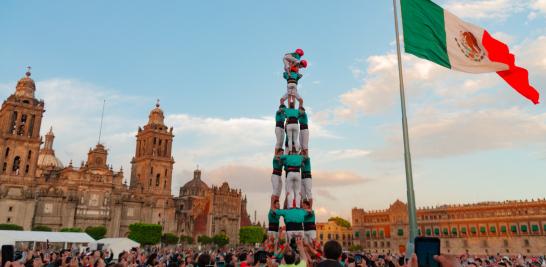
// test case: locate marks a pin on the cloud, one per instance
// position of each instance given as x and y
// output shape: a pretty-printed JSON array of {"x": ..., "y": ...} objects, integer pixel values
[
  {"x": 256, "y": 179},
  {"x": 379, "y": 91},
  {"x": 539, "y": 6},
  {"x": 348, "y": 153},
  {"x": 436, "y": 134},
  {"x": 486, "y": 9},
  {"x": 326, "y": 194}
]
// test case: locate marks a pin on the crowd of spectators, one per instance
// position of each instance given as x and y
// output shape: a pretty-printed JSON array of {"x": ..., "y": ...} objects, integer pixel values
[{"x": 295, "y": 254}]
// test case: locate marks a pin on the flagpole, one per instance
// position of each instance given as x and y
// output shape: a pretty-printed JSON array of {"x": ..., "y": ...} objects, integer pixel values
[{"x": 412, "y": 211}]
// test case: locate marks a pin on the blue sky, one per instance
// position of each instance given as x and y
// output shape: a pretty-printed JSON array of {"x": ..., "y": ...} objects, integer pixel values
[{"x": 216, "y": 66}]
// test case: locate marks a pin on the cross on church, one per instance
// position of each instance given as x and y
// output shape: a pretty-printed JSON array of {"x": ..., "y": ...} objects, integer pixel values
[{"x": 28, "y": 70}]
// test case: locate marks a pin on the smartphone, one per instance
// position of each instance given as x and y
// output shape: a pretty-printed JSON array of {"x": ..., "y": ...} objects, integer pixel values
[
  {"x": 220, "y": 263},
  {"x": 358, "y": 259},
  {"x": 425, "y": 249}
]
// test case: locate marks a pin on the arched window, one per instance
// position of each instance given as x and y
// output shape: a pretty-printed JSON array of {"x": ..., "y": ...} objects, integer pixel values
[
  {"x": 7, "y": 153},
  {"x": 16, "y": 162},
  {"x": 157, "y": 180},
  {"x": 29, "y": 154},
  {"x": 22, "y": 124}
]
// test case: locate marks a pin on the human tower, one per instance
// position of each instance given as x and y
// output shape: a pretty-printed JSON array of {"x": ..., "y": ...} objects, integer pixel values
[{"x": 292, "y": 156}]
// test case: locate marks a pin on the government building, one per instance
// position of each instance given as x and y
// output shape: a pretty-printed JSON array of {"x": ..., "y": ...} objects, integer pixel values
[
  {"x": 488, "y": 228},
  {"x": 37, "y": 189}
]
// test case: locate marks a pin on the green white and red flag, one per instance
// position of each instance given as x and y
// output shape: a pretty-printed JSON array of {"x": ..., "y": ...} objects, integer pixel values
[{"x": 435, "y": 34}]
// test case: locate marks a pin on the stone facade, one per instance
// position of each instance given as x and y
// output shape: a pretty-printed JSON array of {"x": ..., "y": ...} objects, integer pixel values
[
  {"x": 332, "y": 231},
  {"x": 36, "y": 189},
  {"x": 508, "y": 227},
  {"x": 203, "y": 210}
]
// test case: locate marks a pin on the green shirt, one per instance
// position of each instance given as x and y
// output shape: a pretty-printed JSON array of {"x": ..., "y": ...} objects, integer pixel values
[
  {"x": 307, "y": 165},
  {"x": 310, "y": 218},
  {"x": 277, "y": 164},
  {"x": 272, "y": 217},
  {"x": 292, "y": 160},
  {"x": 280, "y": 116},
  {"x": 292, "y": 75},
  {"x": 292, "y": 113},
  {"x": 292, "y": 215},
  {"x": 296, "y": 55},
  {"x": 302, "y": 118}
]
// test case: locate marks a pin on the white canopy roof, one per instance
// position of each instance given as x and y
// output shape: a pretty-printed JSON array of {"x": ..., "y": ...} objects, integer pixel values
[{"x": 10, "y": 237}]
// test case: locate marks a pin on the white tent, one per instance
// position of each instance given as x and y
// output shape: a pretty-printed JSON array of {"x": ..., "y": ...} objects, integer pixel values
[
  {"x": 9, "y": 237},
  {"x": 118, "y": 245}
]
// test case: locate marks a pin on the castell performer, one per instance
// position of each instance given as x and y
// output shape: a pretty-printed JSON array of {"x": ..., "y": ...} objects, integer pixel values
[
  {"x": 292, "y": 65},
  {"x": 293, "y": 219},
  {"x": 292, "y": 165},
  {"x": 309, "y": 226},
  {"x": 306, "y": 181},
  {"x": 292, "y": 128},
  {"x": 276, "y": 179},
  {"x": 304, "y": 130},
  {"x": 280, "y": 118},
  {"x": 273, "y": 218}
]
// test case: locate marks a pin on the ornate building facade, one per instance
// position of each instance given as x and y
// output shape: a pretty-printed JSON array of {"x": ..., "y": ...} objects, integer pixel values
[
  {"x": 508, "y": 227},
  {"x": 332, "y": 231},
  {"x": 36, "y": 189}
]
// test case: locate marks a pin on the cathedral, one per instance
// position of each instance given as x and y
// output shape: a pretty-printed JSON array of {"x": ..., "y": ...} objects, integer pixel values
[{"x": 37, "y": 189}]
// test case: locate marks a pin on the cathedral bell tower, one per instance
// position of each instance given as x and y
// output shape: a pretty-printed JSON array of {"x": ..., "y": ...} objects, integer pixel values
[
  {"x": 152, "y": 164},
  {"x": 20, "y": 121}
]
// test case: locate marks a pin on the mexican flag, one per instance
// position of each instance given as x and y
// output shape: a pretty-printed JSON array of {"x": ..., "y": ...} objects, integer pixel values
[{"x": 432, "y": 33}]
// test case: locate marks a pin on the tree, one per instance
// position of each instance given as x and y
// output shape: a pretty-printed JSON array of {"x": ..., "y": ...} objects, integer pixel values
[
  {"x": 71, "y": 229},
  {"x": 186, "y": 239},
  {"x": 11, "y": 226},
  {"x": 41, "y": 228},
  {"x": 204, "y": 240},
  {"x": 96, "y": 232},
  {"x": 145, "y": 234},
  {"x": 355, "y": 248},
  {"x": 251, "y": 234},
  {"x": 340, "y": 221},
  {"x": 169, "y": 239},
  {"x": 220, "y": 240}
]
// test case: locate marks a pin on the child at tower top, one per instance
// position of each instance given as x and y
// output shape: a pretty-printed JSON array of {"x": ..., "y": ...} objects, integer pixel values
[{"x": 292, "y": 59}]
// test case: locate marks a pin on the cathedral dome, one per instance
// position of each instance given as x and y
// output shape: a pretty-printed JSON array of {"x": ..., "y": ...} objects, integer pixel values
[
  {"x": 25, "y": 87},
  {"x": 196, "y": 186},
  {"x": 46, "y": 156},
  {"x": 46, "y": 161},
  {"x": 156, "y": 115}
]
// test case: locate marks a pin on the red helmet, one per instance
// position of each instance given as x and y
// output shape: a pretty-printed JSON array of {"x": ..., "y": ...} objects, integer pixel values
[
  {"x": 299, "y": 51},
  {"x": 303, "y": 63}
]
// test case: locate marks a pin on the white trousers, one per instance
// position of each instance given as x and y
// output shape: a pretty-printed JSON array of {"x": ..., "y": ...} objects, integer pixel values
[
  {"x": 279, "y": 133},
  {"x": 276, "y": 183},
  {"x": 306, "y": 188},
  {"x": 289, "y": 61},
  {"x": 293, "y": 234},
  {"x": 304, "y": 138},
  {"x": 310, "y": 236},
  {"x": 293, "y": 189},
  {"x": 291, "y": 90},
  {"x": 292, "y": 131}
]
